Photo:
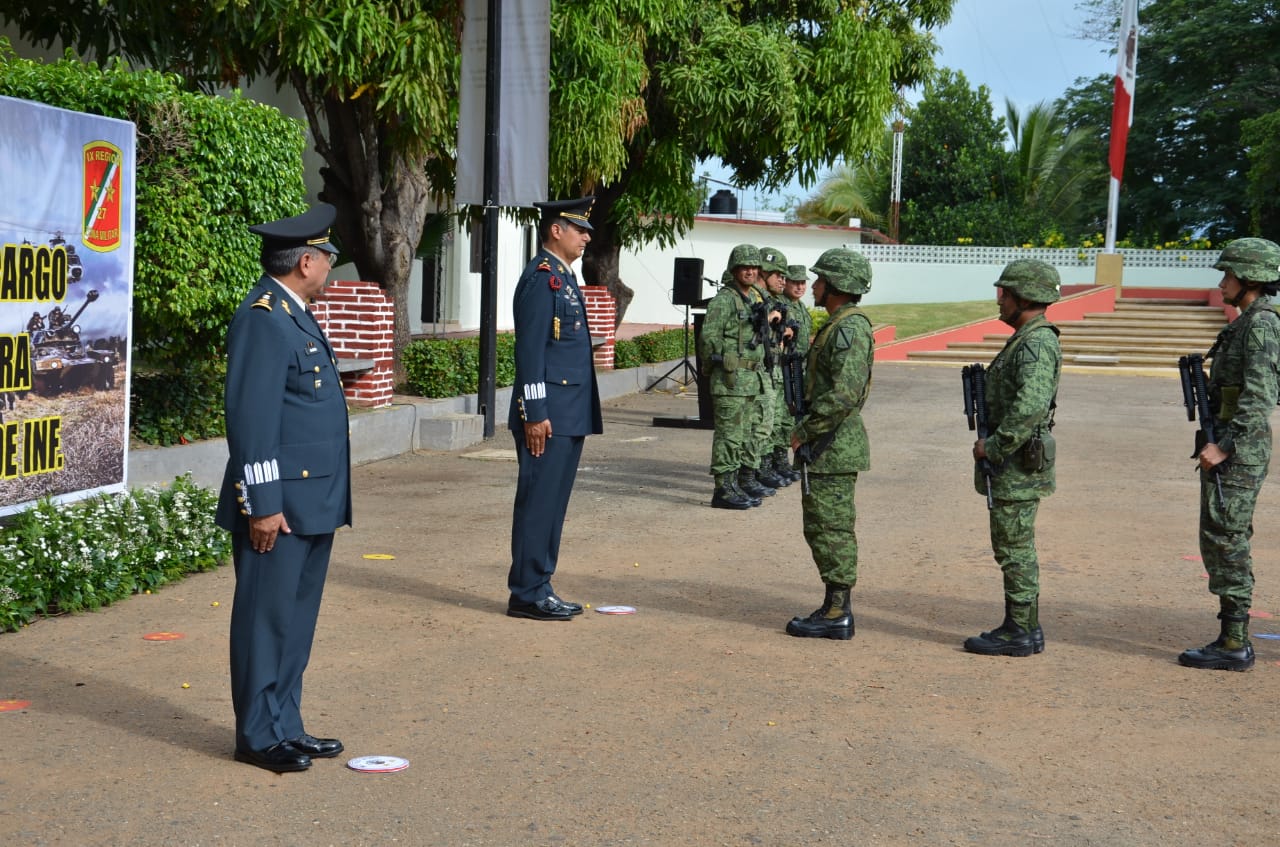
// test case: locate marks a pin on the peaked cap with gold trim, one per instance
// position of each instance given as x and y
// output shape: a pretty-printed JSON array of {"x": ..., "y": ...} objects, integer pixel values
[
  {"x": 574, "y": 211},
  {"x": 310, "y": 229}
]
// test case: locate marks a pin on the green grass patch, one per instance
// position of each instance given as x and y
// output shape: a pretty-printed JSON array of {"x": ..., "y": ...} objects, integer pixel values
[{"x": 918, "y": 318}]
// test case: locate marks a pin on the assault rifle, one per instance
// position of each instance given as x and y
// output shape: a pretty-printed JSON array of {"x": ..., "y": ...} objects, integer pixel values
[
  {"x": 975, "y": 409},
  {"x": 809, "y": 452},
  {"x": 1195, "y": 396},
  {"x": 761, "y": 332},
  {"x": 793, "y": 379}
]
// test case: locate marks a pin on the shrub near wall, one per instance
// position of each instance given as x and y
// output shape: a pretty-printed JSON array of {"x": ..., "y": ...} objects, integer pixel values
[{"x": 208, "y": 167}]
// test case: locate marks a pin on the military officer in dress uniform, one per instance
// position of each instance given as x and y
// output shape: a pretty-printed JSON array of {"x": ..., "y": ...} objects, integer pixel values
[
  {"x": 287, "y": 488},
  {"x": 555, "y": 404}
]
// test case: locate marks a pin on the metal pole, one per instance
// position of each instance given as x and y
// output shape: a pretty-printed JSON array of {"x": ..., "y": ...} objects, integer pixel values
[
  {"x": 489, "y": 243},
  {"x": 895, "y": 188}
]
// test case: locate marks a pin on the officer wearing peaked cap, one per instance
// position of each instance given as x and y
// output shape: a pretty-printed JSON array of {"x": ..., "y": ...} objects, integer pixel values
[
  {"x": 555, "y": 404},
  {"x": 286, "y": 489}
]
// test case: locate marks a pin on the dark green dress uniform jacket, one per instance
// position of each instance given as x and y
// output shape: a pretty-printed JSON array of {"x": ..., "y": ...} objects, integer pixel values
[{"x": 287, "y": 430}]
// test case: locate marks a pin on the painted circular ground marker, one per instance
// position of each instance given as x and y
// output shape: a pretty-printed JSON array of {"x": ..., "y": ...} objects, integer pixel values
[
  {"x": 1270, "y": 636},
  {"x": 616, "y": 610},
  {"x": 163, "y": 636},
  {"x": 378, "y": 764},
  {"x": 382, "y": 556},
  {"x": 1192, "y": 559},
  {"x": 13, "y": 705}
]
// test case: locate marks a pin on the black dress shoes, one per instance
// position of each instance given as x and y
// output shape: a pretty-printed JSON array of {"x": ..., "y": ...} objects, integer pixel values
[
  {"x": 549, "y": 608},
  {"x": 281, "y": 758},
  {"x": 574, "y": 608},
  {"x": 317, "y": 748}
]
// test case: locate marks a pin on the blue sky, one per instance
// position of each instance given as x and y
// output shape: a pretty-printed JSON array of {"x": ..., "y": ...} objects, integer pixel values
[{"x": 1025, "y": 50}]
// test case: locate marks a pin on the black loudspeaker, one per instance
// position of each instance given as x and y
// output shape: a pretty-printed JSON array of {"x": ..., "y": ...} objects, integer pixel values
[{"x": 686, "y": 290}]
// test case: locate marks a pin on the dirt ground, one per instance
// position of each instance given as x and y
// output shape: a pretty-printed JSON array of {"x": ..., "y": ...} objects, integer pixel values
[{"x": 695, "y": 721}]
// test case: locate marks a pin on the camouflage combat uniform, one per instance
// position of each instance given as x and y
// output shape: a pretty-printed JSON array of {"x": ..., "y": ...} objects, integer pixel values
[
  {"x": 838, "y": 379},
  {"x": 833, "y": 445},
  {"x": 1022, "y": 382},
  {"x": 1243, "y": 389},
  {"x": 777, "y": 437},
  {"x": 1021, "y": 392},
  {"x": 737, "y": 378}
]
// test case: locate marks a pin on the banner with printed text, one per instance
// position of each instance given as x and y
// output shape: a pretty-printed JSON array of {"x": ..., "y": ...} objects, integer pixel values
[{"x": 66, "y": 292}]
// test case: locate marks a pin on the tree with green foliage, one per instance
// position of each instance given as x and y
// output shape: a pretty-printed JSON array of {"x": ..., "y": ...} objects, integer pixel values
[
  {"x": 377, "y": 79},
  {"x": 1050, "y": 166},
  {"x": 1205, "y": 68},
  {"x": 956, "y": 174},
  {"x": 1261, "y": 137},
  {"x": 859, "y": 190},
  {"x": 650, "y": 89}
]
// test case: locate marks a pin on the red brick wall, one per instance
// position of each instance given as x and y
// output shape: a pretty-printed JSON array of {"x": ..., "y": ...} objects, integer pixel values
[
  {"x": 601, "y": 315},
  {"x": 359, "y": 320}
]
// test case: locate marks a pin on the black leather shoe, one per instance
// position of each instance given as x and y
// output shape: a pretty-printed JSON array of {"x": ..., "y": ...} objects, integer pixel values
[
  {"x": 317, "y": 748},
  {"x": 546, "y": 609},
  {"x": 281, "y": 758},
  {"x": 574, "y": 608},
  {"x": 1216, "y": 657}
]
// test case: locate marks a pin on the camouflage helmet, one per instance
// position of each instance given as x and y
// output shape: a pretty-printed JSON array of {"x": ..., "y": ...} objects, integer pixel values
[
  {"x": 844, "y": 270},
  {"x": 1032, "y": 279},
  {"x": 1251, "y": 260},
  {"x": 772, "y": 261},
  {"x": 797, "y": 273},
  {"x": 744, "y": 256}
]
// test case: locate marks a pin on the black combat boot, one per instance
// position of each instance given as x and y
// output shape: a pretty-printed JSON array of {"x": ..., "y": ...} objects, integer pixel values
[
  {"x": 1018, "y": 635},
  {"x": 751, "y": 486},
  {"x": 768, "y": 475},
  {"x": 1007, "y": 626},
  {"x": 833, "y": 620},
  {"x": 782, "y": 464},
  {"x": 1231, "y": 652},
  {"x": 727, "y": 494}
]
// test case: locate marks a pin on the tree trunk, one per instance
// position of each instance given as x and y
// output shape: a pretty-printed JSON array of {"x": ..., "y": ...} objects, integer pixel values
[
  {"x": 600, "y": 262},
  {"x": 381, "y": 197}
]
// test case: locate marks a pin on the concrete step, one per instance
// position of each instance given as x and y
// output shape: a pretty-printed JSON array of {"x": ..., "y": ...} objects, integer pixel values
[
  {"x": 1175, "y": 315},
  {"x": 1120, "y": 359},
  {"x": 1159, "y": 301},
  {"x": 1129, "y": 308},
  {"x": 1177, "y": 347},
  {"x": 1092, "y": 321},
  {"x": 1127, "y": 337}
]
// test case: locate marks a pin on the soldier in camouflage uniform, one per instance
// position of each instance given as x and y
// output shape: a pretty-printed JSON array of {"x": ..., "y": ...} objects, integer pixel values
[
  {"x": 737, "y": 376},
  {"x": 831, "y": 440},
  {"x": 1242, "y": 394},
  {"x": 775, "y": 470},
  {"x": 1022, "y": 388},
  {"x": 794, "y": 283}
]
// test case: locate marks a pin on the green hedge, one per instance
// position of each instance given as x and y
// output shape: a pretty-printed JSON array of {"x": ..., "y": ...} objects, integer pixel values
[{"x": 71, "y": 558}]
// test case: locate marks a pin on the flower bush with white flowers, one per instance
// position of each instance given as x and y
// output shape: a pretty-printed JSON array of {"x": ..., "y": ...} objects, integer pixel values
[{"x": 57, "y": 558}]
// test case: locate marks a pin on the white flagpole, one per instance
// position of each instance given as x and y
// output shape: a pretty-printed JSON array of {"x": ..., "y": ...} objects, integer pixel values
[{"x": 1121, "y": 112}]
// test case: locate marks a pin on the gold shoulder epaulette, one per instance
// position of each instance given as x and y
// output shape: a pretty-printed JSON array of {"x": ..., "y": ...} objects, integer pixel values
[
  {"x": 264, "y": 302},
  {"x": 544, "y": 265}
]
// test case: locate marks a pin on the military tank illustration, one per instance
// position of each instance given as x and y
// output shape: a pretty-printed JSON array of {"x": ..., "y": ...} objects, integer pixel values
[
  {"x": 75, "y": 267},
  {"x": 61, "y": 361}
]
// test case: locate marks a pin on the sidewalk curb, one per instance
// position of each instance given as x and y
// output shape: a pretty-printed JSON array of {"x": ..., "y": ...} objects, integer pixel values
[{"x": 409, "y": 423}]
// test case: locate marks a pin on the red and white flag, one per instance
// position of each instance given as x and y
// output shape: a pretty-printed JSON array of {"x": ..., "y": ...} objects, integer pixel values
[{"x": 1126, "y": 74}]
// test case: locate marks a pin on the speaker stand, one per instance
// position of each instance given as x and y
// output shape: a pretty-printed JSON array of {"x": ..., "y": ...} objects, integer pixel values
[
  {"x": 688, "y": 371},
  {"x": 691, "y": 375}
]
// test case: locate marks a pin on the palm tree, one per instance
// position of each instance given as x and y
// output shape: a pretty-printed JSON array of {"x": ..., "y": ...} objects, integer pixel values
[
  {"x": 853, "y": 191},
  {"x": 1048, "y": 162}
]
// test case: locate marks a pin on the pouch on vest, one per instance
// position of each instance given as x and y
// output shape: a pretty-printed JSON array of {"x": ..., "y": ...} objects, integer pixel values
[{"x": 1038, "y": 453}]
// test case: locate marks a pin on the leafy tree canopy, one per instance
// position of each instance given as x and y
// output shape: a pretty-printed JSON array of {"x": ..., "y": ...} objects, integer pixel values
[{"x": 1205, "y": 68}]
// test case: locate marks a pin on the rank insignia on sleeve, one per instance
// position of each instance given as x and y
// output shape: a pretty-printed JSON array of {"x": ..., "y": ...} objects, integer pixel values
[{"x": 263, "y": 302}]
